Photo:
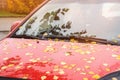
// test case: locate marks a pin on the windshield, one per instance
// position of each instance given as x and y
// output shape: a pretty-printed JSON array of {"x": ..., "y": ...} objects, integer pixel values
[{"x": 86, "y": 18}]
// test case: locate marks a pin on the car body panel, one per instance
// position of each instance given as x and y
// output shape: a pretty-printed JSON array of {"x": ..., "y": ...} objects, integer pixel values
[{"x": 56, "y": 60}]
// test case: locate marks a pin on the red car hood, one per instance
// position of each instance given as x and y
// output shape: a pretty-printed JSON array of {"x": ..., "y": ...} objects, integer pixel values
[{"x": 53, "y": 60}]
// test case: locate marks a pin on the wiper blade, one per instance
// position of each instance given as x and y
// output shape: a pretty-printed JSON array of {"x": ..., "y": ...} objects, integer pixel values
[
  {"x": 55, "y": 37},
  {"x": 24, "y": 36},
  {"x": 82, "y": 39}
]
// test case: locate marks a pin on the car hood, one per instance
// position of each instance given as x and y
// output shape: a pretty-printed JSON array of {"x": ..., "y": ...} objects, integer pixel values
[{"x": 56, "y": 60}]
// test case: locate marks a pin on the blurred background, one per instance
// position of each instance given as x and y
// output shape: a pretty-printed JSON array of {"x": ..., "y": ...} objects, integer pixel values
[{"x": 14, "y": 10}]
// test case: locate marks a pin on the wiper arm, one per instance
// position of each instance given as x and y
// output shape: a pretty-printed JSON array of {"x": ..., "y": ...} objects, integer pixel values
[{"x": 98, "y": 40}]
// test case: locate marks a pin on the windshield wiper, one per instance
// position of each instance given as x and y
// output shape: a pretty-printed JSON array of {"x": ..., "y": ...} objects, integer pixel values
[
  {"x": 68, "y": 38},
  {"x": 82, "y": 39},
  {"x": 25, "y": 36}
]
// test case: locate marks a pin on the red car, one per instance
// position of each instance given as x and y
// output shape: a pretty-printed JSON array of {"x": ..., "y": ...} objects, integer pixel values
[{"x": 64, "y": 40}]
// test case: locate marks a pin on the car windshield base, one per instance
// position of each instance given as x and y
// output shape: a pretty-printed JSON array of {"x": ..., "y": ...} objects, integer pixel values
[{"x": 79, "y": 39}]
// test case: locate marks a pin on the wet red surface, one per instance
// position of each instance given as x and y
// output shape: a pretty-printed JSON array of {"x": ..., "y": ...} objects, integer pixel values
[{"x": 57, "y": 60}]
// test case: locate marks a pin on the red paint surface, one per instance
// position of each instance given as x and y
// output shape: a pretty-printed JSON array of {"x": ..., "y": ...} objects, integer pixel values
[{"x": 56, "y": 60}]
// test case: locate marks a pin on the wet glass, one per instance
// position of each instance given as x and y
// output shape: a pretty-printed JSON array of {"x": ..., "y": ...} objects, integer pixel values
[{"x": 90, "y": 18}]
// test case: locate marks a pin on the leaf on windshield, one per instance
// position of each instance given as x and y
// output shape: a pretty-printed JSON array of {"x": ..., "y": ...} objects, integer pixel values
[
  {"x": 58, "y": 11},
  {"x": 52, "y": 19},
  {"x": 63, "y": 26},
  {"x": 32, "y": 20},
  {"x": 56, "y": 18},
  {"x": 46, "y": 16},
  {"x": 44, "y": 26},
  {"x": 65, "y": 9},
  {"x": 68, "y": 26},
  {"x": 62, "y": 13}
]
